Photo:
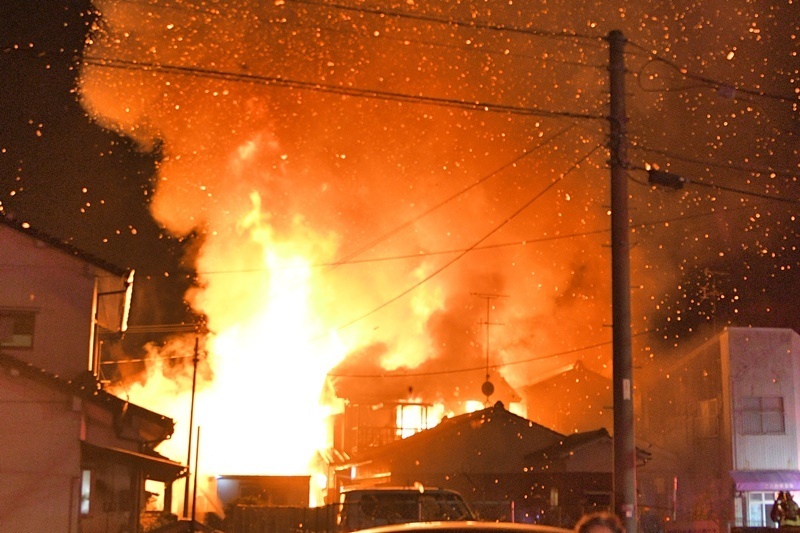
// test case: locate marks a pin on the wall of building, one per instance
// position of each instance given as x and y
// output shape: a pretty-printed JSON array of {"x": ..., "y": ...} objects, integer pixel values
[
  {"x": 683, "y": 406},
  {"x": 696, "y": 409},
  {"x": 573, "y": 401},
  {"x": 59, "y": 288},
  {"x": 765, "y": 363},
  {"x": 40, "y": 457}
]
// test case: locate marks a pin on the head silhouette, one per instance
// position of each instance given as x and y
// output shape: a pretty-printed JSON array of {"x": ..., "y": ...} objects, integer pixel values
[{"x": 600, "y": 522}]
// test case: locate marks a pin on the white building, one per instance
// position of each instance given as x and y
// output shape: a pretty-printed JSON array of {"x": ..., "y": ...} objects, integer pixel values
[{"x": 729, "y": 410}]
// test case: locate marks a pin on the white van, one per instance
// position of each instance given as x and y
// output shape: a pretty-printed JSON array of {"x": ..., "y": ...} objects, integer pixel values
[{"x": 363, "y": 508}]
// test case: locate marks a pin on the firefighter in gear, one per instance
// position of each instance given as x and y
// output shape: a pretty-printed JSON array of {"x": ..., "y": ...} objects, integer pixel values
[{"x": 785, "y": 510}]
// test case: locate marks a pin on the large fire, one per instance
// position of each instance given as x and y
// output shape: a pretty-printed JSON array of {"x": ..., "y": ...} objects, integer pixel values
[{"x": 333, "y": 230}]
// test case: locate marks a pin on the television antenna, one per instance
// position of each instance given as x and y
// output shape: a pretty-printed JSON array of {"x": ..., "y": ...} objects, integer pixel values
[{"x": 488, "y": 388}]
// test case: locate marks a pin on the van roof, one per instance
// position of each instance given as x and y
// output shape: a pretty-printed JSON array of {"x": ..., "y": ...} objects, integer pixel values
[{"x": 397, "y": 489}]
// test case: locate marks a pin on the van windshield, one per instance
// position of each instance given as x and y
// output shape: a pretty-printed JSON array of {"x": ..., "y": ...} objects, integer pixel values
[{"x": 374, "y": 508}]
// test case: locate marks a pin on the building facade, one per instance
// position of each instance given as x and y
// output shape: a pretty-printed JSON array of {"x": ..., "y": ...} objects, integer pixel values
[
  {"x": 74, "y": 457},
  {"x": 56, "y": 301},
  {"x": 728, "y": 411}
]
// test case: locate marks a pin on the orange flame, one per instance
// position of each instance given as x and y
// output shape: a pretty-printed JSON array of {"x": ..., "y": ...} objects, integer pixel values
[{"x": 280, "y": 183}]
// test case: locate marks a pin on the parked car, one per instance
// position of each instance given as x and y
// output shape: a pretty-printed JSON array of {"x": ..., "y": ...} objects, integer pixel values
[{"x": 370, "y": 507}]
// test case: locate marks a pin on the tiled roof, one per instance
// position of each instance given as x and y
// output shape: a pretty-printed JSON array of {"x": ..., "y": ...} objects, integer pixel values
[
  {"x": 496, "y": 415},
  {"x": 571, "y": 443}
]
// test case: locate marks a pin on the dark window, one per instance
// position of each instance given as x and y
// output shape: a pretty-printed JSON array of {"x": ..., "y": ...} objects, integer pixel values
[
  {"x": 86, "y": 492},
  {"x": 762, "y": 415},
  {"x": 708, "y": 419},
  {"x": 16, "y": 328}
]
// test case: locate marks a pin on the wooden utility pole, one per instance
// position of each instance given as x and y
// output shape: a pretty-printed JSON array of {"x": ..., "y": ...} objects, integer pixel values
[{"x": 624, "y": 442}]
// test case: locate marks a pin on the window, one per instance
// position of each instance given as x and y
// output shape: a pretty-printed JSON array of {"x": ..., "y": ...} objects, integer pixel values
[
  {"x": 759, "y": 504},
  {"x": 86, "y": 492},
  {"x": 16, "y": 328},
  {"x": 762, "y": 416},
  {"x": 708, "y": 419},
  {"x": 154, "y": 491}
]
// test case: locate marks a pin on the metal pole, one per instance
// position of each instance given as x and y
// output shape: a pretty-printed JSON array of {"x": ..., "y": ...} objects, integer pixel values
[
  {"x": 194, "y": 492},
  {"x": 195, "y": 359},
  {"x": 624, "y": 442},
  {"x": 488, "y": 310}
]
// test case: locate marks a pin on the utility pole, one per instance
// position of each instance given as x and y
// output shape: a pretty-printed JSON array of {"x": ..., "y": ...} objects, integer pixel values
[
  {"x": 624, "y": 442},
  {"x": 195, "y": 360}
]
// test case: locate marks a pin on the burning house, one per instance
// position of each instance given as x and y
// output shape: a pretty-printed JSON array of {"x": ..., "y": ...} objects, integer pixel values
[
  {"x": 505, "y": 466},
  {"x": 380, "y": 407}
]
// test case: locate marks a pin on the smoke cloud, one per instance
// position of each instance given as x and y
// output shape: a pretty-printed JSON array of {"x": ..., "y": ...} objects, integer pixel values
[{"x": 294, "y": 139}]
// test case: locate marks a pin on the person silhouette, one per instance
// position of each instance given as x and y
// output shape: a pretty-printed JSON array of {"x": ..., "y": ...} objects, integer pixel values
[
  {"x": 785, "y": 510},
  {"x": 599, "y": 522}
]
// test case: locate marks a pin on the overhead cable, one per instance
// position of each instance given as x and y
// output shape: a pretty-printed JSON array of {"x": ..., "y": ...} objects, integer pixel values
[{"x": 335, "y": 89}]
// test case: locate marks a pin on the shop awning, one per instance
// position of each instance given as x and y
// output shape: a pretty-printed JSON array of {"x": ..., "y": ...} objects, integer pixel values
[
  {"x": 155, "y": 467},
  {"x": 766, "y": 480}
]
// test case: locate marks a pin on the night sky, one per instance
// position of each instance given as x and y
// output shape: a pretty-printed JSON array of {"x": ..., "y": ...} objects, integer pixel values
[
  {"x": 722, "y": 251},
  {"x": 65, "y": 175}
]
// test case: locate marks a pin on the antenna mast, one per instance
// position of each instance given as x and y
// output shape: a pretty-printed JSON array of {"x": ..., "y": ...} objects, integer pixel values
[{"x": 487, "y": 388}]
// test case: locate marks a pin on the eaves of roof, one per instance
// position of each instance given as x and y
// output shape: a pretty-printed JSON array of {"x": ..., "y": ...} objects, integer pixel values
[
  {"x": 64, "y": 247},
  {"x": 445, "y": 428},
  {"x": 87, "y": 391},
  {"x": 573, "y": 443},
  {"x": 570, "y": 444},
  {"x": 154, "y": 465}
]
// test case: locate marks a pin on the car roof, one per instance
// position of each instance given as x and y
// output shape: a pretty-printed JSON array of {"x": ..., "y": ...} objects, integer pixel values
[
  {"x": 421, "y": 490},
  {"x": 465, "y": 527}
]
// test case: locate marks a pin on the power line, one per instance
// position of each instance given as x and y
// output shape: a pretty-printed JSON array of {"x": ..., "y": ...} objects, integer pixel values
[
  {"x": 393, "y": 375},
  {"x": 449, "y": 199},
  {"x": 405, "y": 40},
  {"x": 706, "y": 162},
  {"x": 724, "y": 88},
  {"x": 377, "y": 10},
  {"x": 480, "y": 368},
  {"x": 472, "y": 247},
  {"x": 744, "y": 193},
  {"x": 726, "y": 188},
  {"x": 523, "y": 242},
  {"x": 471, "y": 369},
  {"x": 335, "y": 89}
]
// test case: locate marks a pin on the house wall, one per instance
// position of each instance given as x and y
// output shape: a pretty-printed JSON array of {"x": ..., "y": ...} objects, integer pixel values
[
  {"x": 98, "y": 428},
  {"x": 577, "y": 400},
  {"x": 113, "y": 506},
  {"x": 695, "y": 409},
  {"x": 764, "y": 363},
  {"x": 484, "y": 451},
  {"x": 59, "y": 288},
  {"x": 40, "y": 457},
  {"x": 683, "y": 406}
]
